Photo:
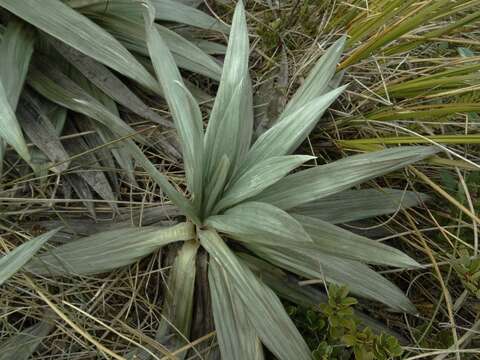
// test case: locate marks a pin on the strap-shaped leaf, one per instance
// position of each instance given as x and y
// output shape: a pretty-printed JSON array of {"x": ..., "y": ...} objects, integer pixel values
[
  {"x": 259, "y": 177},
  {"x": 17, "y": 258},
  {"x": 317, "y": 81},
  {"x": 287, "y": 287},
  {"x": 178, "y": 306},
  {"x": 337, "y": 241},
  {"x": 286, "y": 135},
  {"x": 108, "y": 250},
  {"x": 71, "y": 27},
  {"x": 260, "y": 222},
  {"x": 215, "y": 187},
  {"x": 185, "y": 111},
  {"x": 57, "y": 87},
  {"x": 16, "y": 49},
  {"x": 352, "y": 205},
  {"x": 359, "y": 278},
  {"x": 106, "y": 80},
  {"x": 236, "y": 335},
  {"x": 264, "y": 309},
  {"x": 318, "y": 182},
  {"x": 61, "y": 90},
  {"x": 168, "y": 10},
  {"x": 232, "y": 110},
  {"x": 23, "y": 345},
  {"x": 127, "y": 26}
]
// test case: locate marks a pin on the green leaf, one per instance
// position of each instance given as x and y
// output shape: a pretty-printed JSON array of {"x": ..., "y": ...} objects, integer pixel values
[
  {"x": 178, "y": 306},
  {"x": 236, "y": 336},
  {"x": 286, "y": 135},
  {"x": 352, "y": 205},
  {"x": 264, "y": 309},
  {"x": 317, "y": 82},
  {"x": 69, "y": 26},
  {"x": 185, "y": 111},
  {"x": 108, "y": 250},
  {"x": 17, "y": 258},
  {"x": 259, "y": 177},
  {"x": 23, "y": 345},
  {"x": 260, "y": 222},
  {"x": 232, "y": 110},
  {"x": 359, "y": 278},
  {"x": 337, "y": 241},
  {"x": 321, "y": 181}
]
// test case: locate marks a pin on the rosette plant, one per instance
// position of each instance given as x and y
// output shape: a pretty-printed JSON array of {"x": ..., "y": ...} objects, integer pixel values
[{"x": 256, "y": 220}]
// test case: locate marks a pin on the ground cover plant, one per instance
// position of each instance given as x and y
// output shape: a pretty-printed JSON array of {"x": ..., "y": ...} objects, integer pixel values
[{"x": 250, "y": 222}]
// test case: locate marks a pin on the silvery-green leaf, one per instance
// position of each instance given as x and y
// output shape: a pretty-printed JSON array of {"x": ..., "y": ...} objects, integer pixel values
[
  {"x": 108, "y": 250},
  {"x": 358, "y": 277},
  {"x": 236, "y": 336},
  {"x": 168, "y": 10},
  {"x": 60, "y": 89},
  {"x": 178, "y": 304},
  {"x": 259, "y": 177},
  {"x": 321, "y": 181},
  {"x": 265, "y": 311},
  {"x": 127, "y": 25},
  {"x": 16, "y": 49},
  {"x": 286, "y": 135},
  {"x": 185, "y": 111},
  {"x": 71, "y": 27},
  {"x": 17, "y": 258},
  {"x": 337, "y": 241},
  {"x": 215, "y": 187},
  {"x": 352, "y": 205},
  {"x": 23, "y": 345},
  {"x": 260, "y": 222},
  {"x": 317, "y": 81},
  {"x": 232, "y": 110},
  {"x": 287, "y": 287}
]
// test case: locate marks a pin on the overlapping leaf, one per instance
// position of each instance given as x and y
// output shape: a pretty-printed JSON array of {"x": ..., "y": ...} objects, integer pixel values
[
  {"x": 236, "y": 335},
  {"x": 185, "y": 111},
  {"x": 317, "y": 182},
  {"x": 264, "y": 309},
  {"x": 359, "y": 278},
  {"x": 352, "y": 205},
  {"x": 64, "y": 23},
  {"x": 337, "y": 241},
  {"x": 233, "y": 103},
  {"x": 260, "y": 222}
]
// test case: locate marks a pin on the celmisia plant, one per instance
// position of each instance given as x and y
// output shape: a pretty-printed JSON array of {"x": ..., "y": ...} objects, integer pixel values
[{"x": 248, "y": 211}]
